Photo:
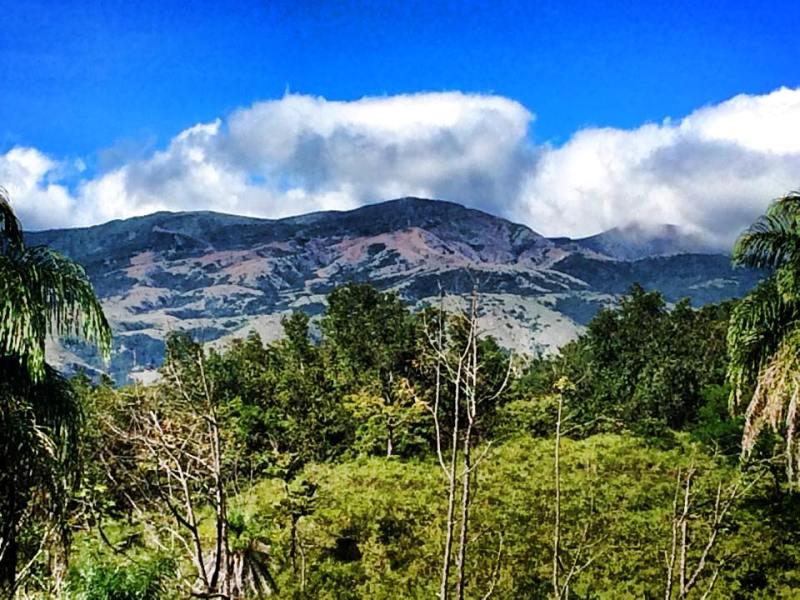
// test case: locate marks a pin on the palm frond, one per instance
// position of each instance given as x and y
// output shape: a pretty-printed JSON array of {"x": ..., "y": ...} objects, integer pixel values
[
  {"x": 788, "y": 205},
  {"x": 770, "y": 242},
  {"x": 776, "y": 401},
  {"x": 43, "y": 293},
  {"x": 10, "y": 230},
  {"x": 757, "y": 327}
]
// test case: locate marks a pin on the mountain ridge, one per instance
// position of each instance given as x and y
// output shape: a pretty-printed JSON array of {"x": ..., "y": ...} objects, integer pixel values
[{"x": 219, "y": 275}]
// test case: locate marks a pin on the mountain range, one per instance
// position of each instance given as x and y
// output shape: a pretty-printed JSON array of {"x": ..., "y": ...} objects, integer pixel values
[{"x": 220, "y": 276}]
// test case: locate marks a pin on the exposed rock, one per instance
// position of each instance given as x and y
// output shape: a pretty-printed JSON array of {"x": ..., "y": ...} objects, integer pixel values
[{"x": 219, "y": 276}]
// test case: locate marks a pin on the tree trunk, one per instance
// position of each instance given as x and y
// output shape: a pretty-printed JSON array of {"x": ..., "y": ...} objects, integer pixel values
[
  {"x": 470, "y": 397},
  {"x": 451, "y": 498},
  {"x": 448, "y": 544},
  {"x": 389, "y": 437},
  {"x": 557, "y": 508},
  {"x": 222, "y": 574},
  {"x": 465, "y": 500},
  {"x": 8, "y": 564},
  {"x": 59, "y": 559}
]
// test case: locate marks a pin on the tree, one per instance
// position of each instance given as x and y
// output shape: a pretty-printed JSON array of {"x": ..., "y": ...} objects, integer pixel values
[
  {"x": 640, "y": 364},
  {"x": 371, "y": 338},
  {"x": 764, "y": 332},
  {"x": 695, "y": 536},
  {"x": 178, "y": 435},
  {"x": 42, "y": 294},
  {"x": 460, "y": 395},
  {"x": 281, "y": 401},
  {"x": 317, "y": 426}
]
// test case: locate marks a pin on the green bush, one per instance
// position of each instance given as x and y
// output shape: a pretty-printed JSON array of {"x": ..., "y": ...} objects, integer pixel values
[
  {"x": 151, "y": 579},
  {"x": 536, "y": 417}
]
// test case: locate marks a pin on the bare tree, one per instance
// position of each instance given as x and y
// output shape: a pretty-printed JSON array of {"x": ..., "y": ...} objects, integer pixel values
[
  {"x": 681, "y": 576},
  {"x": 582, "y": 557},
  {"x": 470, "y": 382},
  {"x": 457, "y": 382},
  {"x": 175, "y": 432}
]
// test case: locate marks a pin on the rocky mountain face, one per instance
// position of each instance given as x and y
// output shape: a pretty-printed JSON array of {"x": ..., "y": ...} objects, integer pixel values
[{"x": 220, "y": 276}]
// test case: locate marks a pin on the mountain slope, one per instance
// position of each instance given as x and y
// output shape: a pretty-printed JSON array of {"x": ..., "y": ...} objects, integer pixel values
[
  {"x": 636, "y": 241},
  {"x": 219, "y": 276}
]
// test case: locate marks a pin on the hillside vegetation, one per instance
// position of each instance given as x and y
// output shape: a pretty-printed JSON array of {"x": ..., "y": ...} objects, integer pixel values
[
  {"x": 399, "y": 453},
  {"x": 312, "y": 467}
]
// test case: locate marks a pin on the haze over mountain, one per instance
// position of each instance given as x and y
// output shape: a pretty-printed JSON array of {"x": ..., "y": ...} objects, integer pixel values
[
  {"x": 220, "y": 276},
  {"x": 635, "y": 241}
]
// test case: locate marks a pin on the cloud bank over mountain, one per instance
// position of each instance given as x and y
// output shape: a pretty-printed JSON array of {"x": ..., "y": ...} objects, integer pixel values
[{"x": 711, "y": 172}]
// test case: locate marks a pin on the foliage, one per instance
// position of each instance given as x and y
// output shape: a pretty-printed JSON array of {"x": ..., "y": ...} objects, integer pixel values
[
  {"x": 715, "y": 427},
  {"x": 42, "y": 294},
  {"x": 370, "y": 335},
  {"x": 534, "y": 416},
  {"x": 370, "y": 339},
  {"x": 280, "y": 401},
  {"x": 640, "y": 365},
  {"x": 311, "y": 506},
  {"x": 146, "y": 580},
  {"x": 375, "y": 526},
  {"x": 404, "y": 420},
  {"x": 764, "y": 334}
]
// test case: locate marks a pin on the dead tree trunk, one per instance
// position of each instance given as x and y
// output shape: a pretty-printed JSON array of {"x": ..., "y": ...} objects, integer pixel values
[
  {"x": 456, "y": 371},
  {"x": 678, "y": 559},
  {"x": 449, "y": 466},
  {"x": 471, "y": 385}
]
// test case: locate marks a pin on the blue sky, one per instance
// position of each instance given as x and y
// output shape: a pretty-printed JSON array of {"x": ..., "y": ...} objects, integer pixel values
[
  {"x": 76, "y": 77},
  {"x": 568, "y": 116}
]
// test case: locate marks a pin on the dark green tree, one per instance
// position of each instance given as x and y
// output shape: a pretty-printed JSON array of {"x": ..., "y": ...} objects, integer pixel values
[
  {"x": 318, "y": 426},
  {"x": 281, "y": 402},
  {"x": 42, "y": 294},
  {"x": 641, "y": 364},
  {"x": 370, "y": 337}
]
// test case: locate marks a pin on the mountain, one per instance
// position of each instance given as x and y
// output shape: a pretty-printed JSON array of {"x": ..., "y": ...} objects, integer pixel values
[
  {"x": 636, "y": 241},
  {"x": 220, "y": 276}
]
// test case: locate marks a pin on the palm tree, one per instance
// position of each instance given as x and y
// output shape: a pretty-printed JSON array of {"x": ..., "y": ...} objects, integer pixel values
[
  {"x": 764, "y": 331},
  {"x": 42, "y": 294}
]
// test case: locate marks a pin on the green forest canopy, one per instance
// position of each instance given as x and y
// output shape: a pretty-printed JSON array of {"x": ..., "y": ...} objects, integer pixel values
[{"x": 324, "y": 465}]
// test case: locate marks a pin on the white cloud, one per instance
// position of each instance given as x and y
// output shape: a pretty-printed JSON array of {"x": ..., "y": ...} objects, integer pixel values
[
  {"x": 27, "y": 175},
  {"x": 769, "y": 123},
  {"x": 712, "y": 171}
]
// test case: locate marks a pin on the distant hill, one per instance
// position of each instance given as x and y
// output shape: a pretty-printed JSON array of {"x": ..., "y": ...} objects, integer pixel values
[
  {"x": 636, "y": 241},
  {"x": 220, "y": 276}
]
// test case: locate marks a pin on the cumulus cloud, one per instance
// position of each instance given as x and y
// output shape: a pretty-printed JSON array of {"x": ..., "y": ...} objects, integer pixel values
[
  {"x": 29, "y": 177},
  {"x": 300, "y": 154},
  {"x": 712, "y": 171}
]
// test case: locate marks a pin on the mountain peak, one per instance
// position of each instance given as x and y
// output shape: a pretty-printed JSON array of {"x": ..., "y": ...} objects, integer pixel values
[
  {"x": 220, "y": 276},
  {"x": 637, "y": 240}
]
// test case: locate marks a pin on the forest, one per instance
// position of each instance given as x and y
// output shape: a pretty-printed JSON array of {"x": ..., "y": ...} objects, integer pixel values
[{"x": 385, "y": 453}]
